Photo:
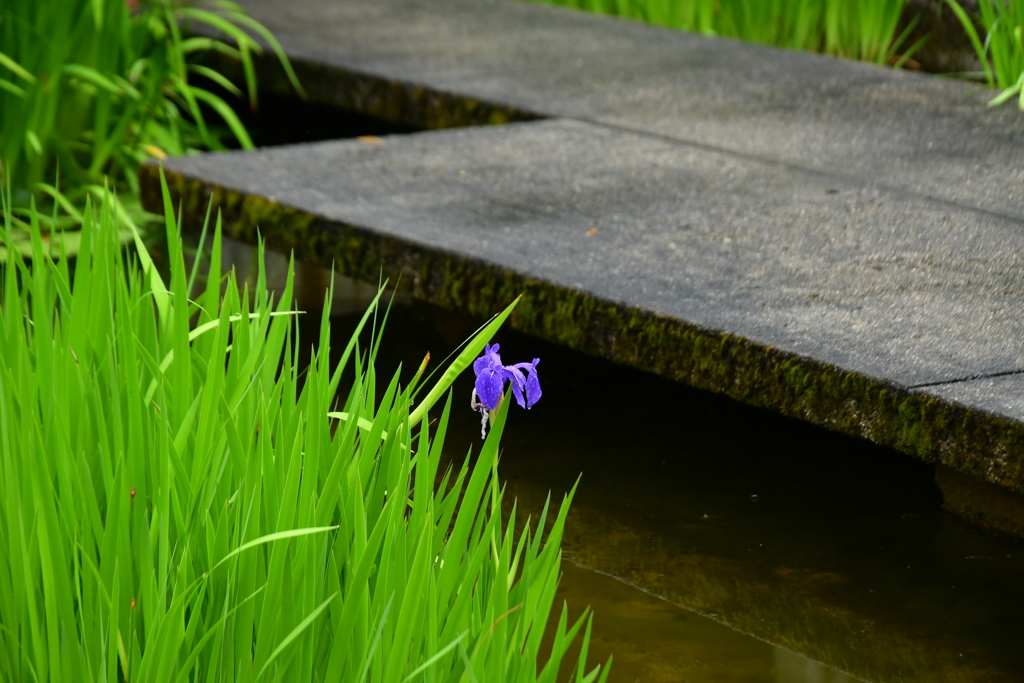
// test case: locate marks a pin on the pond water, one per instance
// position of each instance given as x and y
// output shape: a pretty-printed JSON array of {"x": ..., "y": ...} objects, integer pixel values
[{"x": 717, "y": 542}]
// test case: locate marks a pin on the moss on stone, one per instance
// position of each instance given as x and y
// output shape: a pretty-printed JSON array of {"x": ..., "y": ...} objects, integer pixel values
[{"x": 972, "y": 441}]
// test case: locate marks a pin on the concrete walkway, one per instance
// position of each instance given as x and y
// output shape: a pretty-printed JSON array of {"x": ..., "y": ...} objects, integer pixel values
[{"x": 840, "y": 242}]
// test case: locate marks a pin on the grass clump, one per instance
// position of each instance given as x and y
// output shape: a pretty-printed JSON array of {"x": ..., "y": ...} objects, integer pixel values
[
  {"x": 95, "y": 87},
  {"x": 180, "y": 503},
  {"x": 1001, "y": 53},
  {"x": 856, "y": 29}
]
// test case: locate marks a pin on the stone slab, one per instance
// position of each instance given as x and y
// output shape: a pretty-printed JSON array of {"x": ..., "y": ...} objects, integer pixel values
[
  {"x": 832, "y": 302},
  {"x": 916, "y": 133},
  {"x": 1002, "y": 395}
]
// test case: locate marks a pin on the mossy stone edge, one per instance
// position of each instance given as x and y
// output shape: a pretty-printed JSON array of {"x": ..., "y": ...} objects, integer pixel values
[{"x": 977, "y": 442}]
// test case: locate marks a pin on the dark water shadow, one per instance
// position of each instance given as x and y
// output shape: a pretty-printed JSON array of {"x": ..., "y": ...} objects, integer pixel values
[{"x": 287, "y": 120}]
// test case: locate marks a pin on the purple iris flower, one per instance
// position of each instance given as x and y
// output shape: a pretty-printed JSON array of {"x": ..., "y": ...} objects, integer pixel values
[{"x": 491, "y": 376}]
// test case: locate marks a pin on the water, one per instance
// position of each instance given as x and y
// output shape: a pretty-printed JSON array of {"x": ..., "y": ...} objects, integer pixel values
[
  {"x": 655, "y": 641},
  {"x": 716, "y": 541}
]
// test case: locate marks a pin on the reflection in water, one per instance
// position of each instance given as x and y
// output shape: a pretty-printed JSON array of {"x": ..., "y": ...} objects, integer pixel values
[
  {"x": 655, "y": 641},
  {"x": 791, "y": 667},
  {"x": 817, "y": 543}
]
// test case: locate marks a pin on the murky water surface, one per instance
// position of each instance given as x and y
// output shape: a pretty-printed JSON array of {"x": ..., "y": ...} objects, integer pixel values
[{"x": 719, "y": 543}]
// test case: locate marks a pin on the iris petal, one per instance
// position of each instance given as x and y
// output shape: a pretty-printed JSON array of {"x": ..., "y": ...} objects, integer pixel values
[
  {"x": 533, "y": 392},
  {"x": 488, "y": 387},
  {"x": 480, "y": 364},
  {"x": 518, "y": 383},
  {"x": 489, "y": 359}
]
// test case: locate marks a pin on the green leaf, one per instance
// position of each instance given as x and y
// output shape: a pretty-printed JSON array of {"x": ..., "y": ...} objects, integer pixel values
[
  {"x": 33, "y": 142},
  {"x": 216, "y": 77},
  {"x": 13, "y": 89},
  {"x": 295, "y": 633},
  {"x": 13, "y": 66},
  {"x": 90, "y": 75},
  {"x": 226, "y": 113},
  {"x": 271, "y": 538},
  {"x": 972, "y": 34},
  {"x": 438, "y": 656}
]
